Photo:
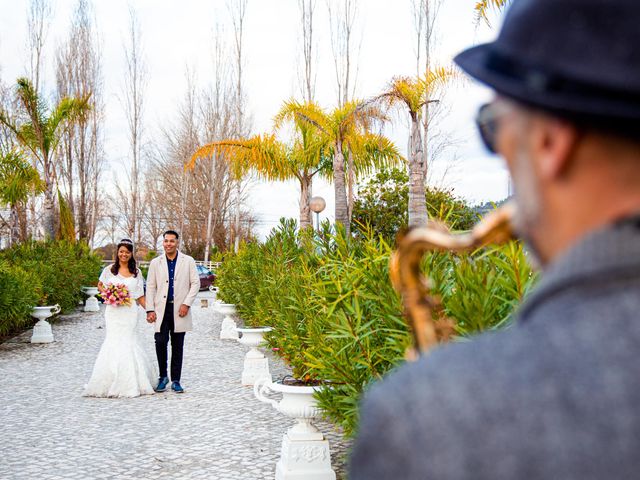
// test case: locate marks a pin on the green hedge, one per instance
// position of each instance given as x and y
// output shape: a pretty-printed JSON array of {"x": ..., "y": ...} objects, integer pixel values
[
  {"x": 336, "y": 316},
  {"x": 43, "y": 273},
  {"x": 19, "y": 291}
]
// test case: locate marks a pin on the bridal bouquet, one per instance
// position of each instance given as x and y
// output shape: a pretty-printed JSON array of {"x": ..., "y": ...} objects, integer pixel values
[{"x": 116, "y": 294}]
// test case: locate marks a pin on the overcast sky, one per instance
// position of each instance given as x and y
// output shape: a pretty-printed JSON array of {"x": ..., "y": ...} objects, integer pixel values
[{"x": 177, "y": 35}]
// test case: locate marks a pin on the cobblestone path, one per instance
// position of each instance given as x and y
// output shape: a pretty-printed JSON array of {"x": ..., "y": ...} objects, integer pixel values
[{"x": 216, "y": 430}]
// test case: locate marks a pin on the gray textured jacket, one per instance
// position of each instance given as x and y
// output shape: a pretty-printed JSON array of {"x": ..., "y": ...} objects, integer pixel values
[{"x": 557, "y": 396}]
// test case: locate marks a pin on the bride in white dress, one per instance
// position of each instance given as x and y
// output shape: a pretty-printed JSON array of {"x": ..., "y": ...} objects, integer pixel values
[{"x": 122, "y": 369}]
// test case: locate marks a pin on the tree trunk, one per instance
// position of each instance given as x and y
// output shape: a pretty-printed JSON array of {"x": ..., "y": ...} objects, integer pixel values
[
  {"x": 309, "y": 197},
  {"x": 417, "y": 198},
  {"x": 14, "y": 224},
  {"x": 351, "y": 177},
  {"x": 305, "y": 195},
  {"x": 236, "y": 241},
  {"x": 49, "y": 207},
  {"x": 21, "y": 217},
  {"x": 210, "y": 212},
  {"x": 342, "y": 210}
]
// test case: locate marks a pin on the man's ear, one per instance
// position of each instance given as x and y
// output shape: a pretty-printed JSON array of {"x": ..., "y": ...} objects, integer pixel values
[{"x": 555, "y": 141}]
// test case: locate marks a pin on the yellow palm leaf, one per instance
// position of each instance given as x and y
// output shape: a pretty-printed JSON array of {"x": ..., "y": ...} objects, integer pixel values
[{"x": 483, "y": 6}]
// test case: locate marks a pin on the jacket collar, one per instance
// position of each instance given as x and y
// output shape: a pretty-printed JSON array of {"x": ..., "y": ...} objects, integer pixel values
[{"x": 613, "y": 250}]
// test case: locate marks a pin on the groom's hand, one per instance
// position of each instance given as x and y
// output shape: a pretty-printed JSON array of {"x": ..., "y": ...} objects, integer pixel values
[
  {"x": 151, "y": 317},
  {"x": 184, "y": 309}
]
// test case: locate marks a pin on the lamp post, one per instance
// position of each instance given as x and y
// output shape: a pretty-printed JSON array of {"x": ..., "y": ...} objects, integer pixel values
[{"x": 317, "y": 204}]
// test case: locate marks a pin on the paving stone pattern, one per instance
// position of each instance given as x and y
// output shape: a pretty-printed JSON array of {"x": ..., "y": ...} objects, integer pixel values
[{"x": 216, "y": 430}]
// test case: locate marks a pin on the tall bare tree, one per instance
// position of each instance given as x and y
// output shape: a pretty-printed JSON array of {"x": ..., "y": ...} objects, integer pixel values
[
  {"x": 38, "y": 21},
  {"x": 342, "y": 24},
  {"x": 238, "y": 10},
  {"x": 133, "y": 100},
  {"x": 39, "y": 17},
  {"x": 216, "y": 119},
  {"x": 79, "y": 73},
  {"x": 425, "y": 13},
  {"x": 308, "y": 77}
]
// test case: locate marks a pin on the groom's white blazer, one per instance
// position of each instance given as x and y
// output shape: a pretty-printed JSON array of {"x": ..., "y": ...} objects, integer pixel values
[{"x": 186, "y": 284}]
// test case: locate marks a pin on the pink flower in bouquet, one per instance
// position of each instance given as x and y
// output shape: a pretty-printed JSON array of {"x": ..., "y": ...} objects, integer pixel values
[{"x": 116, "y": 294}]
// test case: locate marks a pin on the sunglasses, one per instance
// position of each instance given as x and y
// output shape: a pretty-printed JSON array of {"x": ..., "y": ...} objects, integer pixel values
[{"x": 487, "y": 120}]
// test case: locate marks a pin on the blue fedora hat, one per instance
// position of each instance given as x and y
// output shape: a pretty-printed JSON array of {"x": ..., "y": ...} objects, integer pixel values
[{"x": 580, "y": 58}]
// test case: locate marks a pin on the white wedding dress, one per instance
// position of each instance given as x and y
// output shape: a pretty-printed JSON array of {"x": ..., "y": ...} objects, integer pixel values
[{"x": 122, "y": 368}]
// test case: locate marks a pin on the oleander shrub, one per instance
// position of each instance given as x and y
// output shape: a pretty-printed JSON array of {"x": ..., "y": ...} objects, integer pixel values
[
  {"x": 335, "y": 314},
  {"x": 61, "y": 267},
  {"x": 19, "y": 292}
]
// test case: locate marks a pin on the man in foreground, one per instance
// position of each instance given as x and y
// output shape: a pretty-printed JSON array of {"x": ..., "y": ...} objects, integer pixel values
[{"x": 557, "y": 396}]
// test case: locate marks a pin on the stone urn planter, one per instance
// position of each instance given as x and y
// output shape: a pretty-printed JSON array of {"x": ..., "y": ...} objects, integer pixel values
[
  {"x": 228, "y": 326},
  {"x": 42, "y": 332},
  {"x": 91, "y": 304},
  {"x": 256, "y": 365},
  {"x": 305, "y": 452}
]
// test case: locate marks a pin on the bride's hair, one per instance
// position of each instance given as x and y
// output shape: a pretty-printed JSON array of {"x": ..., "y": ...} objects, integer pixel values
[{"x": 128, "y": 244}]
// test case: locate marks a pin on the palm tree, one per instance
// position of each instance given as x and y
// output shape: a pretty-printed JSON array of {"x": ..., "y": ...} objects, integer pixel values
[
  {"x": 18, "y": 181},
  {"x": 272, "y": 160},
  {"x": 414, "y": 94},
  {"x": 39, "y": 132},
  {"x": 347, "y": 131},
  {"x": 483, "y": 6}
]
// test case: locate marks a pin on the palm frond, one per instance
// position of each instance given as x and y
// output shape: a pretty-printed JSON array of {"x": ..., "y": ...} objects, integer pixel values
[
  {"x": 436, "y": 79},
  {"x": 18, "y": 179},
  {"x": 263, "y": 154},
  {"x": 373, "y": 151},
  {"x": 483, "y": 7},
  {"x": 67, "y": 110},
  {"x": 412, "y": 92},
  {"x": 32, "y": 104},
  {"x": 66, "y": 229},
  {"x": 7, "y": 121}
]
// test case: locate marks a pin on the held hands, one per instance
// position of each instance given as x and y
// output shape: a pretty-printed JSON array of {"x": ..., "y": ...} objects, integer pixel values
[{"x": 184, "y": 309}]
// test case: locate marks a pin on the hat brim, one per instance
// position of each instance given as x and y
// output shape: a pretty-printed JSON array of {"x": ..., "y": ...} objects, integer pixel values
[{"x": 594, "y": 104}]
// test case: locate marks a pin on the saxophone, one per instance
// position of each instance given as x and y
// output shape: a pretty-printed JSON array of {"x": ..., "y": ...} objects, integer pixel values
[{"x": 414, "y": 288}]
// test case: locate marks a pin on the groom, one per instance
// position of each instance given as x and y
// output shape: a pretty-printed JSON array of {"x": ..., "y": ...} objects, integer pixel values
[{"x": 172, "y": 286}]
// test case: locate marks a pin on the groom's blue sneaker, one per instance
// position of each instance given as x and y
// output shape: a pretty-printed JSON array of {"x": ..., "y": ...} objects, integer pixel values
[
  {"x": 162, "y": 384},
  {"x": 175, "y": 386}
]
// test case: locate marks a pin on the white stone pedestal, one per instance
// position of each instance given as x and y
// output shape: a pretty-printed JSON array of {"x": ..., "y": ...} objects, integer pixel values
[
  {"x": 228, "y": 326},
  {"x": 91, "y": 304},
  {"x": 304, "y": 460},
  {"x": 228, "y": 329},
  {"x": 305, "y": 452},
  {"x": 256, "y": 366},
  {"x": 42, "y": 332}
]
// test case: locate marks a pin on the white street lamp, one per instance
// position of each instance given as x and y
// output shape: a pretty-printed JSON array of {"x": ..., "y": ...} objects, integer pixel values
[{"x": 317, "y": 204}]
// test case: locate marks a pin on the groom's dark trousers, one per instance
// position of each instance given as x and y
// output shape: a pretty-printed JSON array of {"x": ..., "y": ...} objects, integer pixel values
[{"x": 177, "y": 343}]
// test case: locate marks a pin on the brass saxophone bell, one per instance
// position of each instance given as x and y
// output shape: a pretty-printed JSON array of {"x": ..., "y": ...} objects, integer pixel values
[{"x": 407, "y": 279}]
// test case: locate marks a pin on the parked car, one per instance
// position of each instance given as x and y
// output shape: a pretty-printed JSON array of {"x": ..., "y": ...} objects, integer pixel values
[{"x": 207, "y": 277}]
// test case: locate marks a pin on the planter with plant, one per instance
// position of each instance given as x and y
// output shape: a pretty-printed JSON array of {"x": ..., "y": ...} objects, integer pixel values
[{"x": 305, "y": 451}]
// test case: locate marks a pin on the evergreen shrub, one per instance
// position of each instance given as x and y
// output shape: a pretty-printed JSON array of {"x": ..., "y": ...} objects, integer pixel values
[{"x": 335, "y": 314}]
